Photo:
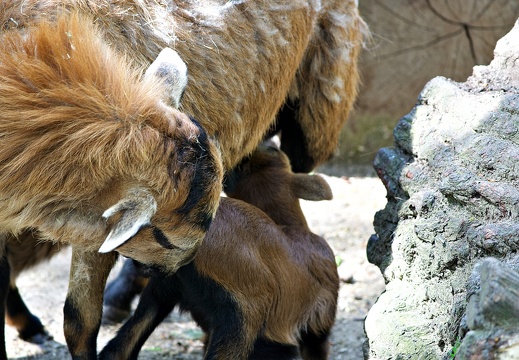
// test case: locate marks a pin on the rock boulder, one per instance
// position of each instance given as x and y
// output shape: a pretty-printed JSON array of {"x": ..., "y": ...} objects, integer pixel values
[{"x": 452, "y": 181}]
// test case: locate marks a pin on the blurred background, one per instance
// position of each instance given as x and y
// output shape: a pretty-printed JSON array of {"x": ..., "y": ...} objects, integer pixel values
[{"x": 412, "y": 42}]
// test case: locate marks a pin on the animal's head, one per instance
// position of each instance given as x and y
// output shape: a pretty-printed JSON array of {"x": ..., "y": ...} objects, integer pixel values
[
  {"x": 165, "y": 234},
  {"x": 109, "y": 140},
  {"x": 266, "y": 180}
]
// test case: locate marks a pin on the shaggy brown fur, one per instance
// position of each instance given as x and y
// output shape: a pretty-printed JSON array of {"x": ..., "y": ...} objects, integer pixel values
[
  {"x": 277, "y": 287},
  {"x": 244, "y": 58},
  {"x": 82, "y": 130}
]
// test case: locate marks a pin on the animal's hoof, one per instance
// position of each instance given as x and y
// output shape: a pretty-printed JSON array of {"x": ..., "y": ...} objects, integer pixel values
[{"x": 38, "y": 338}]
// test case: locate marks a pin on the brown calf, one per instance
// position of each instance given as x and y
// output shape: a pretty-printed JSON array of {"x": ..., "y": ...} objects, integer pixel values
[{"x": 262, "y": 285}]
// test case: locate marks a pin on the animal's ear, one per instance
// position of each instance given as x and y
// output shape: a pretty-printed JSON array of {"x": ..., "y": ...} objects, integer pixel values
[
  {"x": 135, "y": 210},
  {"x": 169, "y": 67},
  {"x": 311, "y": 187}
]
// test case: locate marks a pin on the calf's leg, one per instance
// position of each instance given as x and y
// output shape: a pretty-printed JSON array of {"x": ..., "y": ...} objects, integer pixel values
[
  {"x": 120, "y": 293},
  {"x": 268, "y": 350},
  {"x": 315, "y": 346},
  {"x": 156, "y": 302}
]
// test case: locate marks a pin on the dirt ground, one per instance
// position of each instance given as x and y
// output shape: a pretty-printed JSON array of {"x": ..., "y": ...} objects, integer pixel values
[{"x": 345, "y": 221}]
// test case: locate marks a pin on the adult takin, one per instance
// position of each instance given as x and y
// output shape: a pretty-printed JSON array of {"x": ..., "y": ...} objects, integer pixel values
[
  {"x": 274, "y": 296},
  {"x": 93, "y": 156},
  {"x": 255, "y": 68},
  {"x": 247, "y": 61}
]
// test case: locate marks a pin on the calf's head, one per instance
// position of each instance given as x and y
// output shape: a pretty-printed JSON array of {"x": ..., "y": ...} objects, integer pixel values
[{"x": 266, "y": 180}]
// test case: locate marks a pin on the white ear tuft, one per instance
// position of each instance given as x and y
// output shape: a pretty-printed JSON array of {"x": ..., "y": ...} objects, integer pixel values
[
  {"x": 137, "y": 209},
  {"x": 173, "y": 70}
]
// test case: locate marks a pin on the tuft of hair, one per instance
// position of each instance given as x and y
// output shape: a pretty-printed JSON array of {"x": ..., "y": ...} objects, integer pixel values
[{"x": 67, "y": 100}]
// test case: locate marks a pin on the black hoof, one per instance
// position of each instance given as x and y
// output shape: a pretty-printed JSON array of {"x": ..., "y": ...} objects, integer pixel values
[{"x": 40, "y": 337}]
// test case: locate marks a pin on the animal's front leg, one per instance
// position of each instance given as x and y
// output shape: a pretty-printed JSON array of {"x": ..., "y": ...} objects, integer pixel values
[
  {"x": 84, "y": 303},
  {"x": 157, "y": 300}
]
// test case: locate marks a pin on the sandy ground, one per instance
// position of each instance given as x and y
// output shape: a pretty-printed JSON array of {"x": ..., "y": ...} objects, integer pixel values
[{"x": 345, "y": 221}]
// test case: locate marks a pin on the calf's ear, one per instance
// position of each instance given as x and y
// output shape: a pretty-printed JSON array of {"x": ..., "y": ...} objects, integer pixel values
[
  {"x": 169, "y": 67},
  {"x": 136, "y": 211},
  {"x": 311, "y": 187}
]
